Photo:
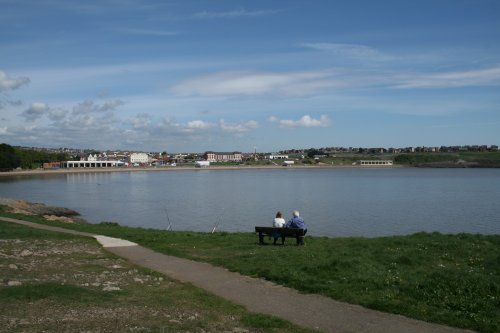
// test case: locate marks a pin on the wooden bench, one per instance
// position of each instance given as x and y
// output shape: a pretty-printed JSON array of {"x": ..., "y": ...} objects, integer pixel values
[{"x": 298, "y": 234}]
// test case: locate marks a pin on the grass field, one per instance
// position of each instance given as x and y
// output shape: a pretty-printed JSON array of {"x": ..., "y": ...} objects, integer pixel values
[
  {"x": 478, "y": 159},
  {"x": 471, "y": 159},
  {"x": 448, "y": 279},
  {"x": 53, "y": 282}
]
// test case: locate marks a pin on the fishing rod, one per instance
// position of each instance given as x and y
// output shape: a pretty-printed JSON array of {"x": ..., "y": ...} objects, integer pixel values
[
  {"x": 216, "y": 225},
  {"x": 169, "y": 228}
]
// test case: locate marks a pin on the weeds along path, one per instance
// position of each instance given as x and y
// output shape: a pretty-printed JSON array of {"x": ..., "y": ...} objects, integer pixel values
[{"x": 312, "y": 311}]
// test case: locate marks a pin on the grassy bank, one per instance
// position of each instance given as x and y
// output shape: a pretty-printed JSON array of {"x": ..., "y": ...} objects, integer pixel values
[
  {"x": 53, "y": 282},
  {"x": 448, "y": 279},
  {"x": 462, "y": 159}
]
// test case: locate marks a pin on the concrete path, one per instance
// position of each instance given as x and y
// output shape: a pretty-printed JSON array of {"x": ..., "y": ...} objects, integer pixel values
[
  {"x": 107, "y": 242},
  {"x": 261, "y": 296}
]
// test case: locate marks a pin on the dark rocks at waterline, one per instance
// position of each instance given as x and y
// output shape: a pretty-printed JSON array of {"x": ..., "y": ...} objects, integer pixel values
[{"x": 30, "y": 208}]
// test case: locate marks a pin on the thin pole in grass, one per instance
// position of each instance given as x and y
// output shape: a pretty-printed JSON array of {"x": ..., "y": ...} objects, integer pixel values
[
  {"x": 169, "y": 228},
  {"x": 217, "y": 224}
]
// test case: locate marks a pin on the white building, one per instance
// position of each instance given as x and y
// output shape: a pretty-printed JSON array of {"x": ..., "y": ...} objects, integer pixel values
[
  {"x": 202, "y": 164},
  {"x": 91, "y": 164},
  {"x": 139, "y": 158},
  {"x": 213, "y": 156},
  {"x": 375, "y": 162},
  {"x": 278, "y": 157}
]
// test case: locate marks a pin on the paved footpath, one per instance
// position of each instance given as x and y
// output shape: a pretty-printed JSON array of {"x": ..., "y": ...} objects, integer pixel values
[{"x": 307, "y": 310}]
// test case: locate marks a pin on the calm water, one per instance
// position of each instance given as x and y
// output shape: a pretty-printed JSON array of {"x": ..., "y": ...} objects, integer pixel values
[{"x": 334, "y": 202}]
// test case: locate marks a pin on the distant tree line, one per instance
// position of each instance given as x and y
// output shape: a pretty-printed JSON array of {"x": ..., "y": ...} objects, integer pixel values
[{"x": 15, "y": 157}]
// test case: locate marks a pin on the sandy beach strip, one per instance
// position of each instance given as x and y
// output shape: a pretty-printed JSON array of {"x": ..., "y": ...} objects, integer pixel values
[{"x": 178, "y": 168}]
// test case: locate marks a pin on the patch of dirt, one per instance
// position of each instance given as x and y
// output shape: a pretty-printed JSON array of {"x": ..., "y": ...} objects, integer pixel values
[{"x": 129, "y": 299}]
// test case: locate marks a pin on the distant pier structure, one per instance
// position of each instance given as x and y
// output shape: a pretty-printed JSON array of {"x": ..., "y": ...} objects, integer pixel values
[
  {"x": 375, "y": 163},
  {"x": 91, "y": 164}
]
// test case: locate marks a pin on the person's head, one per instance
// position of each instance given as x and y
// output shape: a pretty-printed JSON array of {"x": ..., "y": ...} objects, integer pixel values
[
  {"x": 296, "y": 213},
  {"x": 279, "y": 215}
]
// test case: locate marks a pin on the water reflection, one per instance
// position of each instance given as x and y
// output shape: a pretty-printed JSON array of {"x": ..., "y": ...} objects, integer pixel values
[{"x": 334, "y": 202}]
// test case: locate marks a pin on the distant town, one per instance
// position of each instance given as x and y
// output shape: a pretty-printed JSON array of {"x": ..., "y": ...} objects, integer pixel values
[
  {"x": 326, "y": 150},
  {"x": 444, "y": 156}
]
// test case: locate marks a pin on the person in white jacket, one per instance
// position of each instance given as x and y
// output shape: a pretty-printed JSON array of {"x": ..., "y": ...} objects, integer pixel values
[{"x": 279, "y": 221}]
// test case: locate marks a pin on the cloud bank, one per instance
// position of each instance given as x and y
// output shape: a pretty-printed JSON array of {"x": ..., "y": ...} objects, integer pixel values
[
  {"x": 97, "y": 124},
  {"x": 252, "y": 84},
  {"x": 35, "y": 111},
  {"x": 305, "y": 121},
  {"x": 488, "y": 76},
  {"x": 8, "y": 83}
]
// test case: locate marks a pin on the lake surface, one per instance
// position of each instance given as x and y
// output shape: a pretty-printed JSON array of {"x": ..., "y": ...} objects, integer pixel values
[{"x": 334, "y": 202}]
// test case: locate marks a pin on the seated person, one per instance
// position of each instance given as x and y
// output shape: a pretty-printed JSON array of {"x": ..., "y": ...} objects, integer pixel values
[
  {"x": 296, "y": 222},
  {"x": 279, "y": 222}
]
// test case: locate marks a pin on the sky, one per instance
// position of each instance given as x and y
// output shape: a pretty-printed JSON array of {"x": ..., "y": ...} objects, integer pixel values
[{"x": 233, "y": 75}]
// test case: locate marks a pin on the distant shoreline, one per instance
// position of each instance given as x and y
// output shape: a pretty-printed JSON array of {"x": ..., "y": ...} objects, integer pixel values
[{"x": 181, "y": 168}]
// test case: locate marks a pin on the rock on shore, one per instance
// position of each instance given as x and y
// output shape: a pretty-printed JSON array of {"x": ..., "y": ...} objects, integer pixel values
[{"x": 49, "y": 212}]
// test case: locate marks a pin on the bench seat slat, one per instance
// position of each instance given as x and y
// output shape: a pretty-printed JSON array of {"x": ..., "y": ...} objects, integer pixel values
[{"x": 283, "y": 232}]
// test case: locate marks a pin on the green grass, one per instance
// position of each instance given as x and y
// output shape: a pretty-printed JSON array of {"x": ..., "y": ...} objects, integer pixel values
[
  {"x": 425, "y": 158},
  {"x": 13, "y": 231},
  {"x": 471, "y": 156},
  {"x": 485, "y": 159},
  {"x": 480, "y": 159},
  {"x": 477, "y": 159},
  {"x": 448, "y": 279},
  {"x": 52, "y": 297}
]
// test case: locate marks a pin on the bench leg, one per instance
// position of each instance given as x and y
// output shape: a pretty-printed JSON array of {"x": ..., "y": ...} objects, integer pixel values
[
  {"x": 300, "y": 240},
  {"x": 282, "y": 239},
  {"x": 261, "y": 238}
]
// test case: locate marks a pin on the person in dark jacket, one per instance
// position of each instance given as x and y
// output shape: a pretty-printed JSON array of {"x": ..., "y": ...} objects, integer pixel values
[{"x": 296, "y": 222}]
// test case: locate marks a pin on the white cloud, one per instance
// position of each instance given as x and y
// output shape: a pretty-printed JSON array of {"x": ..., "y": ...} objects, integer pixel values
[
  {"x": 111, "y": 105},
  {"x": 7, "y": 101},
  {"x": 141, "y": 121},
  {"x": 198, "y": 125},
  {"x": 315, "y": 83},
  {"x": 8, "y": 83},
  {"x": 192, "y": 127},
  {"x": 292, "y": 84},
  {"x": 84, "y": 107},
  {"x": 305, "y": 121},
  {"x": 232, "y": 14},
  {"x": 489, "y": 76},
  {"x": 89, "y": 106},
  {"x": 35, "y": 111},
  {"x": 60, "y": 75},
  {"x": 240, "y": 127},
  {"x": 57, "y": 114}
]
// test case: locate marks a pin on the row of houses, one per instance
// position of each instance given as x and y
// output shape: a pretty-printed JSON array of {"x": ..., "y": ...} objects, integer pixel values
[
  {"x": 143, "y": 159},
  {"x": 212, "y": 156},
  {"x": 420, "y": 149}
]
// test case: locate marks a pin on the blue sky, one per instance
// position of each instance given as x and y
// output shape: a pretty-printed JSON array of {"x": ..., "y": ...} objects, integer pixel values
[{"x": 234, "y": 75}]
